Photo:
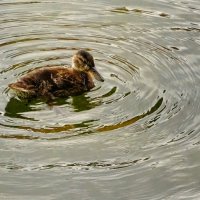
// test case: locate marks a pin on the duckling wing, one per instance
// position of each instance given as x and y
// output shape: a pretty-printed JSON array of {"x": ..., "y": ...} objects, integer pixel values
[
  {"x": 68, "y": 83},
  {"x": 66, "y": 80}
]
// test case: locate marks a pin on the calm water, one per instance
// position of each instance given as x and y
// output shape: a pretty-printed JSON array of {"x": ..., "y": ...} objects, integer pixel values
[{"x": 135, "y": 136}]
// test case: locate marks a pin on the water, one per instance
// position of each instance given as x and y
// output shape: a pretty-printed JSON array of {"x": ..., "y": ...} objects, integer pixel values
[{"x": 135, "y": 136}]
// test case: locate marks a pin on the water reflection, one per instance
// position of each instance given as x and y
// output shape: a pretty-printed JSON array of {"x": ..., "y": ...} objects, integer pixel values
[
  {"x": 134, "y": 119},
  {"x": 15, "y": 108},
  {"x": 18, "y": 108},
  {"x": 83, "y": 102}
]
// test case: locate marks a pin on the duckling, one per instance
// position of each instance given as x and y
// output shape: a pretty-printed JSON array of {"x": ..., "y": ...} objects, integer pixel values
[{"x": 59, "y": 81}]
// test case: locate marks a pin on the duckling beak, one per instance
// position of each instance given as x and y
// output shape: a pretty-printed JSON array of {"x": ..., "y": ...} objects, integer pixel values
[{"x": 96, "y": 74}]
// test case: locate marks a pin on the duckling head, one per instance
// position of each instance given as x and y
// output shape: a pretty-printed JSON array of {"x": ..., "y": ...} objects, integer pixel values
[{"x": 83, "y": 61}]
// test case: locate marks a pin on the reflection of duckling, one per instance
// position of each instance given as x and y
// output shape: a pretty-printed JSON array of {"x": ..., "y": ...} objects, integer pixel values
[{"x": 59, "y": 81}]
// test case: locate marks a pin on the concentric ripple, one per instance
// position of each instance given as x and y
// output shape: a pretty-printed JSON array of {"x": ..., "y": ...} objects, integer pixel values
[
  {"x": 135, "y": 134},
  {"x": 143, "y": 88}
]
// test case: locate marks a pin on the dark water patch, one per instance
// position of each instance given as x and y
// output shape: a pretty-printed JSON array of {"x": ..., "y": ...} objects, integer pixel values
[
  {"x": 94, "y": 165},
  {"x": 18, "y": 3},
  {"x": 185, "y": 29},
  {"x": 140, "y": 11}
]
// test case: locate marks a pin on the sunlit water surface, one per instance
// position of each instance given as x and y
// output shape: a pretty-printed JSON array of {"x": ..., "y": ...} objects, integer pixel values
[{"x": 135, "y": 136}]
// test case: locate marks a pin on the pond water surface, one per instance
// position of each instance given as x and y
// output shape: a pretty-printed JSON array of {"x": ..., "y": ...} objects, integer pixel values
[{"x": 135, "y": 136}]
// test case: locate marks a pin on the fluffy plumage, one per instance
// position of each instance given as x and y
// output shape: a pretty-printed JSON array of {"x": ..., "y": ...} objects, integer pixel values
[{"x": 59, "y": 81}]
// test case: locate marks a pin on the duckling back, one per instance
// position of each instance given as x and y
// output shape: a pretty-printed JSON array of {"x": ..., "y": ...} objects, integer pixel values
[{"x": 53, "y": 82}]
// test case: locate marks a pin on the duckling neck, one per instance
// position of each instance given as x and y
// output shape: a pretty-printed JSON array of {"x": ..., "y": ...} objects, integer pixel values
[
  {"x": 77, "y": 71},
  {"x": 86, "y": 78},
  {"x": 75, "y": 68}
]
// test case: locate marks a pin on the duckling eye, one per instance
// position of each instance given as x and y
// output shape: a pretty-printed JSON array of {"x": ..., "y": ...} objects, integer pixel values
[{"x": 86, "y": 64}]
